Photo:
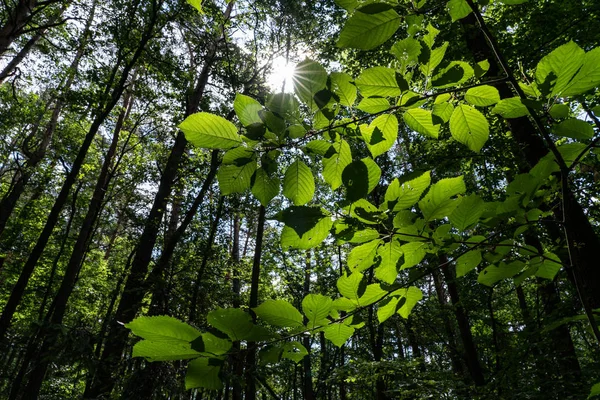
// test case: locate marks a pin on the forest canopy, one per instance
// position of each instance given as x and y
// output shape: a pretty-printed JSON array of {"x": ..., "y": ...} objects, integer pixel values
[{"x": 411, "y": 213}]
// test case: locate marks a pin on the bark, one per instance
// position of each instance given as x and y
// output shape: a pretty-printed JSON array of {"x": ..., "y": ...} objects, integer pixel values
[
  {"x": 236, "y": 358},
  {"x": 207, "y": 253},
  {"x": 9, "y": 70},
  {"x": 581, "y": 237},
  {"x": 308, "y": 391},
  {"x": 464, "y": 327},
  {"x": 42, "y": 359},
  {"x": 134, "y": 290},
  {"x": 156, "y": 278},
  {"x": 34, "y": 157},
  {"x": 18, "y": 18},
  {"x": 254, "y": 285},
  {"x": 451, "y": 347}
]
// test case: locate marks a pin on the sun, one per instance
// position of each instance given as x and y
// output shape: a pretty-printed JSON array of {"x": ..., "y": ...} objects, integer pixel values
[{"x": 281, "y": 74}]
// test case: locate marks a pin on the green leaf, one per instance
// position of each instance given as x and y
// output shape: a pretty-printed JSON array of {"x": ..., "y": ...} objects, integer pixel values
[
  {"x": 163, "y": 329},
  {"x": 210, "y": 344},
  {"x": 407, "y": 52},
  {"x": 197, "y": 4},
  {"x": 443, "y": 111},
  {"x": 316, "y": 307},
  {"x": 381, "y": 134},
  {"x": 458, "y": 9},
  {"x": 349, "y": 285},
  {"x": 559, "y": 111},
  {"x": 595, "y": 391},
  {"x": 390, "y": 254},
  {"x": 246, "y": 109},
  {"x": 483, "y": 96},
  {"x": 469, "y": 127},
  {"x": 163, "y": 351},
  {"x": 387, "y": 308},
  {"x": 467, "y": 212},
  {"x": 401, "y": 196},
  {"x": 558, "y": 68},
  {"x": 265, "y": 188},
  {"x": 279, "y": 313},
  {"x": 438, "y": 202},
  {"x": 234, "y": 322},
  {"x": 421, "y": 121},
  {"x": 493, "y": 274},
  {"x": 373, "y": 105},
  {"x": 298, "y": 183},
  {"x": 284, "y": 105},
  {"x": 574, "y": 128},
  {"x": 367, "y": 31},
  {"x": 210, "y": 131},
  {"x": 436, "y": 57},
  {"x": 549, "y": 267},
  {"x": 338, "y": 333},
  {"x": 204, "y": 373},
  {"x": 310, "y": 238},
  {"x": 294, "y": 351},
  {"x": 372, "y": 294},
  {"x": 309, "y": 78},
  {"x": 456, "y": 73},
  {"x": 360, "y": 178},
  {"x": 588, "y": 77},
  {"x": 412, "y": 295},
  {"x": 511, "y": 108},
  {"x": 362, "y": 257},
  {"x": 238, "y": 156},
  {"x": 414, "y": 253},
  {"x": 467, "y": 262},
  {"x": 378, "y": 81},
  {"x": 234, "y": 179},
  {"x": 341, "y": 85},
  {"x": 334, "y": 165},
  {"x": 373, "y": 173}
]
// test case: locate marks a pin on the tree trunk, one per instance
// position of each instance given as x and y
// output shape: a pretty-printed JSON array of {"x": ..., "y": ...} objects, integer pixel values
[
  {"x": 581, "y": 237},
  {"x": 16, "y": 21},
  {"x": 134, "y": 290},
  {"x": 471, "y": 355},
  {"x": 206, "y": 255},
  {"x": 21, "y": 178},
  {"x": 452, "y": 348},
  {"x": 254, "y": 286}
]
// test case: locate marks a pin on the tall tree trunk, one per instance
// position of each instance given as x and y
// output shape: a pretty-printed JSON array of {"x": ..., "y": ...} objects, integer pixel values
[
  {"x": 16, "y": 21},
  {"x": 42, "y": 359},
  {"x": 580, "y": 235},
  {"x": 306, "y": 364},
  {"x": 452, "y": 348},
  {"x": 237, "y": 357},
  {"x": 53, "y": 217},
  {"x": 206, "y": 256},
  {"x": 254, "y": 286},
  {"x": 156, "y": 278},
  {"x": 471, "y": 355},
  {"x": 134, "y": 290},
  {"x": 34, "y": 157}
]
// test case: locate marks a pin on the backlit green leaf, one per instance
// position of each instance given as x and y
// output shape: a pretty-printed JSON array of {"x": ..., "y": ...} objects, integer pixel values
[
  {"x": 279, "y": 313},
  {"x": 467, "y": 262},
  {"x": 401, "y": 196},
  {"x": 438, "y": 202},
  {"x": 493, "y": 274},
  {"x": 412, "y": 295},
  {"x": 381, "y": 134},
  {"x": 210, "y": 131},
  {"x": 298, "y": 183},
  {"x": 469, "y": 127},
  {"x": 378, "y": 81},
  {"x": 467, "y": 212},
  {"x": 510, "y": 108},
  {"x": 341, "y": 85},
  {"x": 574, "y": 128},
  {"x": 421, "y": 121},
  {"x": 246, "y": 109},
  {"x": 338, "y": 333},
  {"x": 235, "y": 179},
  {"x": 362, "y": 257},
  {"x": 483, "y": 96},
  {"x": 204, "y": 373},
  {"x": 458, "y": 9},
  {"x": 334, "y": 165},
  {"x": 367, "y": 31},
  {"x": 265, "y": 187},
  {"x": 309, "y": 78}
]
